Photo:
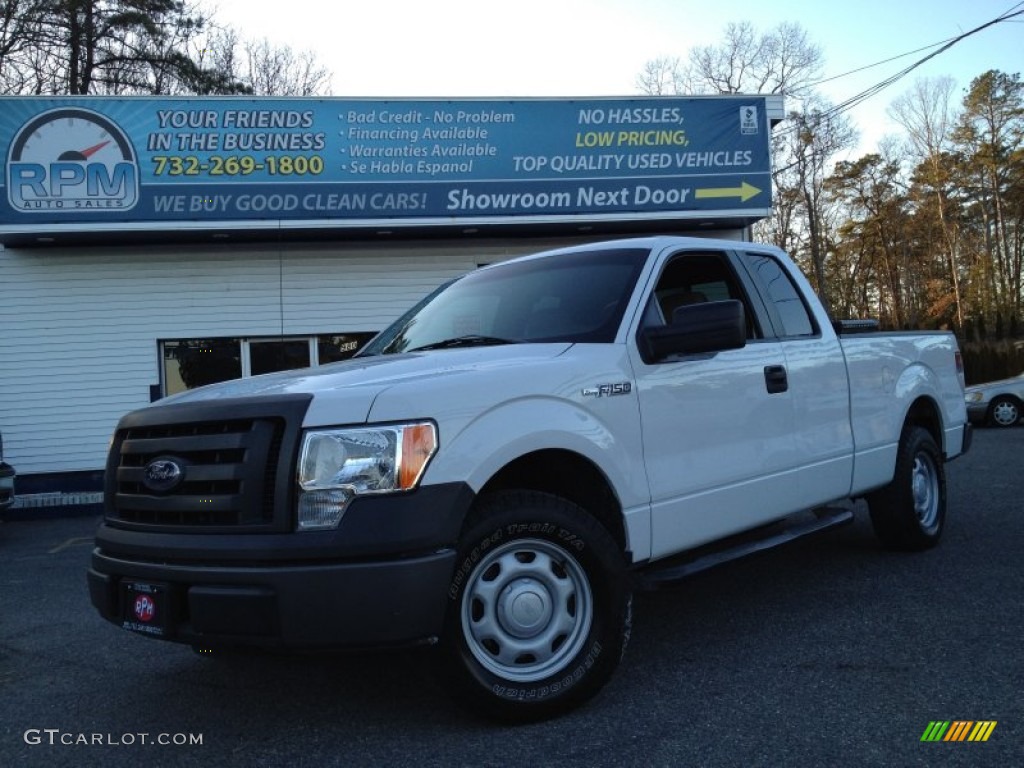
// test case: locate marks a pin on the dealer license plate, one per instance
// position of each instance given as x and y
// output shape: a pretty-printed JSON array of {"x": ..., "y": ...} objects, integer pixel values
[{"x": 145, "y": 608}]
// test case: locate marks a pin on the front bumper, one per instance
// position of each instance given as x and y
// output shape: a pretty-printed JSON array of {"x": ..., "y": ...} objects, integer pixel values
[
  {"x": 298, "y": 606},
  {"x": 380, "y": 579}
]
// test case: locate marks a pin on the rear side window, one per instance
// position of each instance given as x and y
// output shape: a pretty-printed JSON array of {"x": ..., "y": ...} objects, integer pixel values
[{"x": 782, "y": 295}]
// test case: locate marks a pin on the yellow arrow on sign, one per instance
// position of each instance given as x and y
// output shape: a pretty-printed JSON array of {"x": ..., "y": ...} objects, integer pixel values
[{"x": 744, "y": 192}]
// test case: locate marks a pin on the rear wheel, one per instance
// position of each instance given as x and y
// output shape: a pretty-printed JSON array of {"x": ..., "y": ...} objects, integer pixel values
[
  {"x": 539, "y": 607},
  {"x": 1004, "y": 412},
  {"x": 910, "y": 512}
]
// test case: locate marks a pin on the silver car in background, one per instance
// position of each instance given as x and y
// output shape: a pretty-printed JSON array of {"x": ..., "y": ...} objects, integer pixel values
[
  {"x": 6, "y": 480},
  {"x": 999, "y": 403}
]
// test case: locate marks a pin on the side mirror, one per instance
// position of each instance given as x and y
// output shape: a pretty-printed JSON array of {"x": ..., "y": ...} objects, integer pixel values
[{"x": 710, "y": 327}]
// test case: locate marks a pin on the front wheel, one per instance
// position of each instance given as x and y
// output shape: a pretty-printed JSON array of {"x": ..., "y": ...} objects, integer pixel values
[
  {"x": 1004, "y": 412},
  {"x": 910, "y": 512},
  {"x": 539, "y": 607}
]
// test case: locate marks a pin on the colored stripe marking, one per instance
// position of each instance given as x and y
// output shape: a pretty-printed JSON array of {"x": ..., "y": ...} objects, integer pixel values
[
  {"x": 959, "y": 730},
  {"x": 935, "y": 731},
  {"x": 982, "y": 730}
]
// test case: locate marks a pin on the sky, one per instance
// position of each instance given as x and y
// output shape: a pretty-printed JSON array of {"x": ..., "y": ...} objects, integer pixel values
[{"x": 569, "y": 48}]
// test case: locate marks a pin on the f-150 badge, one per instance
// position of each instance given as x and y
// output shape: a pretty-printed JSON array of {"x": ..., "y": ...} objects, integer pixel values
[{"x": 607, "y": 390}]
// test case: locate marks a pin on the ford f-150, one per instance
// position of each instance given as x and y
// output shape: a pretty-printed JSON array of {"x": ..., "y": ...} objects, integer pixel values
[{"x": 498, "y": 470}]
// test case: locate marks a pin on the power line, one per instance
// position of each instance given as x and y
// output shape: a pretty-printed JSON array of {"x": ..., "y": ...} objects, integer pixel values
[
  {"x": 1007, "y": 16},
  {"x": 866, "y": 94},
  {"x": 883, "y": 61},
  {"x": 880, "y": 86}
]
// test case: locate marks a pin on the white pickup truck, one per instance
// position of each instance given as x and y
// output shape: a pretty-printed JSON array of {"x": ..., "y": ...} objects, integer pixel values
[{"x": 501, "y": 468}]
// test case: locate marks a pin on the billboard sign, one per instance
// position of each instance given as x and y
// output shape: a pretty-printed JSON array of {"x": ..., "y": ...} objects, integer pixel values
[{"x": 221, "y": 163}]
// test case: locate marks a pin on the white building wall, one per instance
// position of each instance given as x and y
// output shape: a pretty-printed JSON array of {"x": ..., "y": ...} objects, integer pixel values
[{"x": 79, "y": 327}]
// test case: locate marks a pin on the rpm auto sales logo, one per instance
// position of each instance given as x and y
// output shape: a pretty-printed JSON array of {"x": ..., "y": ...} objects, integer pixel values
[{"x": 71, "y": 160}]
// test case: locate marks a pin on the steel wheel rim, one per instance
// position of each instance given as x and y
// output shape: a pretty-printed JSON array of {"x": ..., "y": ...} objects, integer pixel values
[
  {"x": 1005, "y": 413},
  {"x": 527, "y": 610},
  {"x": 924, "y": 482}
]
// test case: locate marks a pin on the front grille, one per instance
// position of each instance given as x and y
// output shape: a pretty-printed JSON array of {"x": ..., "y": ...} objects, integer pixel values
[{"x": 230, "y": 472}]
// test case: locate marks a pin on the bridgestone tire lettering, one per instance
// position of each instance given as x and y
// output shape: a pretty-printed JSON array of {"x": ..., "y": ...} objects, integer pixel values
[{"x": 539, "y": 608}]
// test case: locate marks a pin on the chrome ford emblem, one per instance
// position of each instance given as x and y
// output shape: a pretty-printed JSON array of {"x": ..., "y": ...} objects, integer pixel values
[{"x": 163, "y": 474}]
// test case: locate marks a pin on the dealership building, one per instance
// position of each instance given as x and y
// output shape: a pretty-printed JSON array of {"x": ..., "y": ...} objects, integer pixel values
[{"x": 152, "y": 245}]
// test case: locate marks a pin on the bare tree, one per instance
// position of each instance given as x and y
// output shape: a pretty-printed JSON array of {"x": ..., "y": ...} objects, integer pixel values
[
  {"x": 280, "y": 71},
  {"x": 810, "y": 142},
  {"x": 19, "y": 36},
  {"x": 108, "y": 46},
  {"x": 98, "y": 46},
  {"x": 782, "y": 60},
  {"x": 924, "y": 113},
  {"x": 263, "y": 68},
  {"x": 661, "y": 77},
  {"x": 120, "y": 47}
]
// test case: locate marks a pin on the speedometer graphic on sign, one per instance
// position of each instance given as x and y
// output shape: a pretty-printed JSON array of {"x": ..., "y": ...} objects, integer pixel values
[{"x": 71, "y": 160}]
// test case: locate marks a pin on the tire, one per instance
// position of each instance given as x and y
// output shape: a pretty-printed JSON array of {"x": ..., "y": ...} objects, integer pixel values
[
  {"x": 910, "y": 513},
  {"x": 539, "y": 610},
  {"x": 1004, "y": 411}
]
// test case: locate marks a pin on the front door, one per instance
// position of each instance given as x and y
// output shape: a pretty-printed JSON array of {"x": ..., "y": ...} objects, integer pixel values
[{"x": 717, "y": 427}]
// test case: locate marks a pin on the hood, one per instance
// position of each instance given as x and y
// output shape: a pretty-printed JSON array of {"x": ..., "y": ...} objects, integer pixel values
[{"x": 346, "y": 390}]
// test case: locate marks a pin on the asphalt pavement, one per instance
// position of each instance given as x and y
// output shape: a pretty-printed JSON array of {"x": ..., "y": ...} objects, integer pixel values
[{"x": 827, "y": 652}]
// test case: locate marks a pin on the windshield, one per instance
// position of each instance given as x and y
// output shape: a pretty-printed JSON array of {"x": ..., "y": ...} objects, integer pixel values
[{"x": 578, "y": 296}]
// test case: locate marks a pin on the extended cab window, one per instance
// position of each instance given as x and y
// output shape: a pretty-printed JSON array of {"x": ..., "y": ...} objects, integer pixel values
[
  {"x": 695, "y": 278},
  {"x": 782, "y": 295}
]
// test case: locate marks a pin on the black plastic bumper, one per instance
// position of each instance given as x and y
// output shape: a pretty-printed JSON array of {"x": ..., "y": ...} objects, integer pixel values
[
  {"x": 355, "y": 604},
  {"x": 298, "y": 590}
]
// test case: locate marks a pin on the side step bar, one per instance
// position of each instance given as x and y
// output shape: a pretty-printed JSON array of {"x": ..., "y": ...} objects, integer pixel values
[{"x": 782, "y": 532}]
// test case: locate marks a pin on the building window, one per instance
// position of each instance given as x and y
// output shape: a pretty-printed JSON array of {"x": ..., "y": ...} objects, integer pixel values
[
  {"x": 333, "y": 349},
  {"x": 270, "y": 355},
  {"x": 191, "y": 363}
]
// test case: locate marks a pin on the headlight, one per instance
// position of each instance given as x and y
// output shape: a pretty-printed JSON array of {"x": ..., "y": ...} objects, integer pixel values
[
  {"x": 974, "y": 397},
  {"x": 336, "y": 465}
]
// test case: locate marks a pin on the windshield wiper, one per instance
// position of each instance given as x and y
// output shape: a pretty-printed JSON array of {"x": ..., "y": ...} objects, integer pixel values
[{"x": 471, "y": 340}]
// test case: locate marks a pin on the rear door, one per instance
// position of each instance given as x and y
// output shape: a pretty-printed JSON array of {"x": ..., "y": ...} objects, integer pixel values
[{"x": 817, "y": 378}]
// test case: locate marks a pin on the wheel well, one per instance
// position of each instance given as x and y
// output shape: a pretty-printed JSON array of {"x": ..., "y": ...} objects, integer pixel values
[
  {"x": 569, "y": 475},
  {"x": 925, "y": 413}
]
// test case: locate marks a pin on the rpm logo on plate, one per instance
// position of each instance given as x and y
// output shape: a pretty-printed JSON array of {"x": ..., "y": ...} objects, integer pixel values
[
  {"x": 71, "y": 160},
  {"x": 145, "y": 608}
]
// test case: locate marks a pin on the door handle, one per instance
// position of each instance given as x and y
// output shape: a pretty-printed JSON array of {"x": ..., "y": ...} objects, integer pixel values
[{"x": 775, "y": 379}]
